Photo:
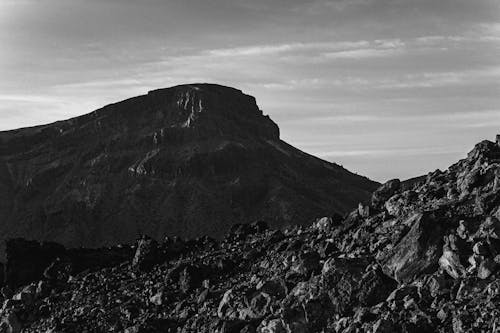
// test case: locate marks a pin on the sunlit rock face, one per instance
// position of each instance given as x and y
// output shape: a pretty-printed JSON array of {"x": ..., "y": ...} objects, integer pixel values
[{"x": 188, "y": 160}]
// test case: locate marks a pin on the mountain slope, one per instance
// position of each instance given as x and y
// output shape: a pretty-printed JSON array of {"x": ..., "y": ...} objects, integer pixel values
[
  {"x": 189, "y": 160},
  {"x": 422, "y": 256}
]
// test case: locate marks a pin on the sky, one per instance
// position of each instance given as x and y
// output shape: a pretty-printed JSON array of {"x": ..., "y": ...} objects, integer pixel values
[{"x": 386, "y": 88}]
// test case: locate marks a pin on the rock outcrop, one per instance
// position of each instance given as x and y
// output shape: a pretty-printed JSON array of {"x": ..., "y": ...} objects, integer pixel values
[{"x": 190, "y": 160}]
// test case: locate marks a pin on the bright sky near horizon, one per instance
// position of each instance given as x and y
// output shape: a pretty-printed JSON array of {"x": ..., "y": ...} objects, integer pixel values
[{"x": 387, "y": 88}]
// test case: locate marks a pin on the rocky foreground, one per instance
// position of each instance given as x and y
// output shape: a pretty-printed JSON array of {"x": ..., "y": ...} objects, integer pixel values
[{"x": 423, "y": 256}]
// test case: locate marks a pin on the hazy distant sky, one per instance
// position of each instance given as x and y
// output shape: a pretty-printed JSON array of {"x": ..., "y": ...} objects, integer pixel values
[{"x": 387, "y": 88}]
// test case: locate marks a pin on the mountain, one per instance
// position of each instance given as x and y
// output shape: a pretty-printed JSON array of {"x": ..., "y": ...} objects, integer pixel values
[
  {"x": 189, "y": 160},
  {"x": 422, "y": 256}
]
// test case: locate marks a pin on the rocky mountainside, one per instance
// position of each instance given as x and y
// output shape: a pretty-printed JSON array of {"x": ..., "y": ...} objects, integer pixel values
[
  {"x": 422, "y": 256},
  {"x": 189, "y": 160}
]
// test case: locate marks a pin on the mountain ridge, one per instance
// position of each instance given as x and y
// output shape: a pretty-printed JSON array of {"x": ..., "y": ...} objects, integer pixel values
[{"x": 188, "y": 160}]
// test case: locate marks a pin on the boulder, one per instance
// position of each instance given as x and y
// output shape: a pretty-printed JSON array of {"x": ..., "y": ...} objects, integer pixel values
[
  {"x": 272, "y": 326},
  {"x": 418, "y": 251},
  {"x": 306, "y": 264},
  {"x": 307, "y": 307},
  {"x": 324, "y": 225},
  {"x": 450, "y": 263},
  {"x": 384, "y": 192},
  {"x": 191, "y": 278},
  {"x": 146, "y": 254},
  {"x": 486, "y": 268}
]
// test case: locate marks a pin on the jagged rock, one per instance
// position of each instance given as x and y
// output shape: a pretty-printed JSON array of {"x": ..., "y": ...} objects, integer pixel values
[
  {"x": 58, "y": 271},
  {"x": 146, "y": 254},
  {"x": 419, "y": 251},
  {"x": 306, "y": 263},
  {"x": 374, "y": 287},
  {"x": 307, "y": 307},
  {"x": 260, "y": 304},
  {"x": 397, "y": 295},
  {"x": 225, "y": 303},
  {"x": 486, "y": 268},
  {"x": 324, "y": 224},
  {"x": 363, "y": 210},
  {"x": 436, "y": 285},
  {"x": 383, "y": 193},
  {"x": 450, "y": 262},
  {"x": 272, "y": 326},
  {"x": 157, "y": 299},
  {"x": 26, "y": 295}
]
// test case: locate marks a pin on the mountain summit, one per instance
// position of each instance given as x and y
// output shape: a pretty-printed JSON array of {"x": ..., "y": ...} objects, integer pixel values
[{"x": 189, "y": 160}]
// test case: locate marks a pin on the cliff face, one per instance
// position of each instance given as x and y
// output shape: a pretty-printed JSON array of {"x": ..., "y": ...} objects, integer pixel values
[{"x": 188, "y": 160}]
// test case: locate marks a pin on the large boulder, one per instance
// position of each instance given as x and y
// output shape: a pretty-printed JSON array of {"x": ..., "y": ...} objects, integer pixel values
[
  {"x": 146, "y": 254},
  {"x": 384, "y": 192},
  {"x": 354, "y": 281},
  {"x": 418, "y": 251}
]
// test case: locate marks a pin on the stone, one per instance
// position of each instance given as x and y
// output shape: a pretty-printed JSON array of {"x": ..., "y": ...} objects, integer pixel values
[
  {"x": 307, "y": 263},
  {"x": 202, "y": 297},
  {"x": 224, "y": 304},
  {"x": 418, "y": 251},
  {"x": 272, "y": 326},
  {"x": 324, "y": 225},
  {"x": 146, "y": 254},
  {"x": 374, "y": 287},
  {"x": 157, "y": 299},
  {"x": 260, "y": 304},
  {"x": 276, "y": 288},
  {"x": 480, "y": 249},
  {"x": 400, "y": 293},
  {"x": 486, "y": 268},
  {"x": 384, "y": 192},
  {"x": 27, "y": 295},
  {"x": 462, "y": 230},
  {"x": 450, "y": 262}
]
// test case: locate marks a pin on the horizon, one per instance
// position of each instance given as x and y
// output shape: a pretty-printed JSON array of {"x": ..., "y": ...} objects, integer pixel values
[{"x": 387, "y": 89}]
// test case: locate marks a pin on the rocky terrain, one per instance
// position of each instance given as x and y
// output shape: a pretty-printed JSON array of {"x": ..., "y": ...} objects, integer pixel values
[
  {"x": 190, "y": 160},
  {"x": 421, "y": 256}
]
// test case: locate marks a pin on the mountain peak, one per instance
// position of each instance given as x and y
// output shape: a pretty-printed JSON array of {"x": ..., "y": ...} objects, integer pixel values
[
  {"x": 206, "y": 109},
  {"x": 188, "y": 160}
]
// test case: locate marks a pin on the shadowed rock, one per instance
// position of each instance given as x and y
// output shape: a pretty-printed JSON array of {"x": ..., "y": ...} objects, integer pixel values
[{"x": 189, "y": 160}]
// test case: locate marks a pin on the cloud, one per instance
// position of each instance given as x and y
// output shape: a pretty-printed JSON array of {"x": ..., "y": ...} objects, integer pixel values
[
  {"x": 286, "y": 48},
  {"x": 387, "y": 153},
  {"x": 361, "y": 53},
  {"x": 441, "y": 79},
  {"x": 28, "y": 98}
]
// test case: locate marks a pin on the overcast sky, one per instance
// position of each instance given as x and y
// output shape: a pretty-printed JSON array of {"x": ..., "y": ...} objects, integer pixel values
[{"x": 387, "y": 88}]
